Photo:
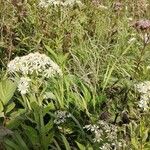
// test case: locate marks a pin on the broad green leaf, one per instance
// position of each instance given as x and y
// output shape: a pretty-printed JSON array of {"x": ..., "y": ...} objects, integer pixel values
[
  {"x": 81, "y": 147},
  {"x": 31, "y": 134},
  {"x": 2, "y": 114},
  {"x": 10, "y": 107},
  {"x": 7, "y": 89},
  {"x": 90, "y": 148}
]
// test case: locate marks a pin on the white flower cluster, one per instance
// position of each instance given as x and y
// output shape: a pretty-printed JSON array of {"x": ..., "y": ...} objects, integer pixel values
[
  {"x": 61, "y": 116},
  {"x": 23, "y": 85},
  {"x": 46, "y": 3},
  {"x": 35, "y": 65},
  {"x": 105, "y": 132},
  {"x": 106, "y": 146},
  {"x": 96, "y": 130},
  {"x": 144, "y": 89}
]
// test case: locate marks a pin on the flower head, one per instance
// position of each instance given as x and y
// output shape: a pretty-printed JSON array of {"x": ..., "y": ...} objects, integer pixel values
[
  {"x": 144, "y": 89},
  {"x": 61, "y": 117},
  {"x": 23, "y": 85},
  {"x": 46, "y": 3},
  {"x": 34, "y": 64},
  {"x": 102, "y": 130}
]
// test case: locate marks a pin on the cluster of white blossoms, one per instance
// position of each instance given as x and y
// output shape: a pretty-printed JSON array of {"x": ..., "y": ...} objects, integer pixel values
[
  {"x": 61, "y": 116},
  {"x": 104, "y": 133},
  {"x": 144, "y": 89},
  {"x": 46, "y": 3},
  {"x": 106, "y": 146},
  {"x": 32, "y": 65},
  {"x": 23, "y": 85}
]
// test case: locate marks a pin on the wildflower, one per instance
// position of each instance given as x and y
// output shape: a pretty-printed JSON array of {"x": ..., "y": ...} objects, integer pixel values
[
  {"x": 144, "y": 90},
  {"x": 61, "y": 117},
  {"x": 143, "y": 104},
  {"x": 34, "y": 64},
  {"x": 103, "y": 131},
  {"x": 142, "y": 24},
  {"x": 44, "y": 3},
  {"x": 106, "y": 146},
  {"x": 143, "y": 87},
  {"x": 98, "y": 135},
  {"x": 97, "y": 132},
  {"x": 91, "y": 127},
  {"x": 23, "y": 85}
]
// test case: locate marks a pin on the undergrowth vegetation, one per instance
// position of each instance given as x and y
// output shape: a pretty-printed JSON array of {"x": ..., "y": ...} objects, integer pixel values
[{"x": 75, "y": 75}]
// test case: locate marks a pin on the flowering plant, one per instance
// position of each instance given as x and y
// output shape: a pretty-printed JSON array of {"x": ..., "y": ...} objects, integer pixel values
[{"x": 32, "y": 66}]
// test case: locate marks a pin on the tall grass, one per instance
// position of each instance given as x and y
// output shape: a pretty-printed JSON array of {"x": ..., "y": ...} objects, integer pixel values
[{"x": 99, "y": 52}]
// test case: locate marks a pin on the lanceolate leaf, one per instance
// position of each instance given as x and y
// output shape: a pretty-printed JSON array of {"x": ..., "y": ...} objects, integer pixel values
[
  {"x": 31, "y": 134},
  {"x": 10, "y": 107},
  {"x": 66, "y": 143}
]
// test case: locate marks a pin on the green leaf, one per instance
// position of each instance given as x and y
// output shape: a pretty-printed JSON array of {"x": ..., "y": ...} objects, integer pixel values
[
  {"x": 10, "y": 107},
  {"x": 1, "y": 106},
  {"x": 81, "y": 147},
  {"x": 7, "y": 89},
  {"x": 51, "y": 52},
  {"x": 145, "y": 135},
  {"x": 48, "y": 107},
  {"x": 50, "y": 95},
  {"x": 48, "y": 126},
  {"x": 134, "y": 142},
  {"x": 66, "y": 142},
  {"x": 31, "y": 134},
  {"x": 49, "y": 138},
  {"x": 90, "y": 148},
  {"x": 78, "y": 124},
  {"x": 20, "y": 141},
  {"x": 11, "y": 145},
  {"x": 2, "y": 114},
  {"x": 56, "y": 144}
]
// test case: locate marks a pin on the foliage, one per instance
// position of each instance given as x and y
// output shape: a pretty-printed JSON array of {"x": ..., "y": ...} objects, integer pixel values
[{"x": 103, "y": 53}]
